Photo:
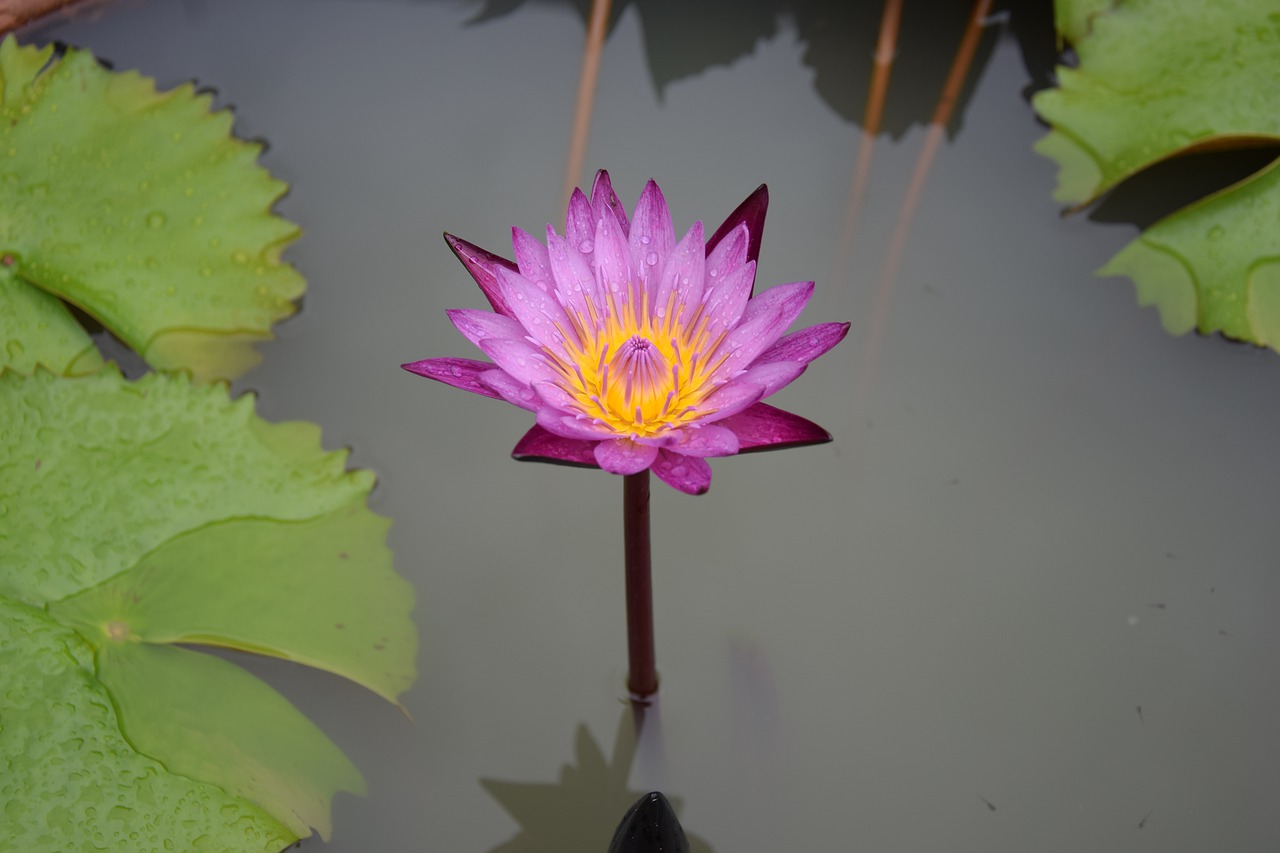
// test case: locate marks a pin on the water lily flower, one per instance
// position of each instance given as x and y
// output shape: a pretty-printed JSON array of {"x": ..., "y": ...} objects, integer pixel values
[{"x": 634, "y": 350}]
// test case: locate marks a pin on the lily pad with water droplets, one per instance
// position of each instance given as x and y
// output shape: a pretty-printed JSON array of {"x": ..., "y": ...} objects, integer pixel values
[
  {"x": 1162, "y": 78},
  {"x": 140, "y": 515},
  {"x": 141, "y": 209}
]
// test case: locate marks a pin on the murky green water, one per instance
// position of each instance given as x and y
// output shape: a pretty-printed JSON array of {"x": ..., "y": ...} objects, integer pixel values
[{"x": 1039, "y": 513}]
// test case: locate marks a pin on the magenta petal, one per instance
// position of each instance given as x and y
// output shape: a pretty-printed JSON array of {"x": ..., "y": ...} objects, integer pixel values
[
  {"x": 729, "y": 400},
  {"x": 459, "y": 372},
  {"x": 763, "y": 427},
  {"x": 612, "y": 259},
  {"x": 514, "y": 392},
  {"x": 538, "y": 311},
  {"x": 603, "y": 199},
  {"x": 773, "y": 376},
  {"x": 624, "y": 456},
  {"x": 652, "y": 237},
  {"x": 482, "y": 265},
  {"x": 752, "y": 212},
  {"x": 555, "y": 421},
  {"x": 531, "y": 258},
  {"x": 769, "y": 300},
  {"x": 805, "y": 345},
  {"x": 688, "y": 474},
  {"x": 708, "y": 440},
  {"x": 538, "y": 445},
  {"x": 580, "y": 224},
  {"x": 726, "y": 300},
  {"x": 759, "y": 331},
  {"x": 575, "y": 283},
  {"x": 519, "y": 358},
  {"x": 475, "y": 325},
  {"x": 728, "y": 256},
  {"x": 683, "y": 275},
  {"x": 551, "y": 394}
]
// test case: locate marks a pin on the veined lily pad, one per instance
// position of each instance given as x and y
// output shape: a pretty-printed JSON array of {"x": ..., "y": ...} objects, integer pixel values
[
  {"x": 1161, "y": 78},
  {"x": 139, "y": 208},
  {"x": 141, "y": 515}
]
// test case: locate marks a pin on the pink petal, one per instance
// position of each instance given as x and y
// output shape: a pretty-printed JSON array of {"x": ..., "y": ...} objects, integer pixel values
[
  {"x": 727, "y": 256},
  {"x": 652, "y": 237},
  {"x": 538, "y": 445},
  {"x": 478, "y": 325},
  {"x": 624, "y": 456},
  {"x": 770, "y": 299},
  {"x": 531, "y": 258},
  {"x": 805, "y": 345},
  {"x": 459, "y": 372},
  {"x": 759, "y": 331},
  {"x": 729, "y": 400},
  {"x": 773, "y": 376},
  {"x": 763, "y": 427},
  {"x": 603, "y": 199},
  {"x": 689, "y": 474},
  {"x": 520, "y": 359},
  {"x": 482, "y": 265},
  {"x": 683, "y": 275},
  {"x": 708, "y": 440},
  {"x": 538, "y": 311},
  {"x": 612, "y": 259},
  {"x": 551, "y": 394},
  {"x": 555, "y": 421},
  {"x": 514, "y": 392},
  {"x": 751, "y": 212},
  {"x": 727, "y": 298},
  {"x": 575, "y": 283},
  {"x": 580, "y": 224}
]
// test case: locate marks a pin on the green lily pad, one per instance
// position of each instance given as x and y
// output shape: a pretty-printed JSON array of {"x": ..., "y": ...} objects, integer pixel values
[
  {"x": 1157, "y": 78},
  {"x": 73, "y": 782},
  {"x": 1162, "y": 78},
  {"x": 143, "y": 514},
  {"x": 38, "y": 330},
  {"x": 142, "y": 210}
]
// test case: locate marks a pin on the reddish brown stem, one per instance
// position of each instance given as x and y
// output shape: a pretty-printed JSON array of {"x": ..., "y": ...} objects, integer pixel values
[
  {"x": 17, "y": 13},
  {"x": 642, "y": 675},
  {"x": 596, "y": 26},
  {"x": 886, "y": 46}
]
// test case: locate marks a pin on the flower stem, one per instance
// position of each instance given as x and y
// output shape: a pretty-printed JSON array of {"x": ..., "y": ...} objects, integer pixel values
[
  {"x": 642, "y": 676},
  {"x": 596, "y": 26}
]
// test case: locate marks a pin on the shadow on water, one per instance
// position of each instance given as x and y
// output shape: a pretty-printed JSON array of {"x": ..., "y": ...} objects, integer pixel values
[
  {"x": 580, "y": 812},
  {"x": 1170, "y": 185},
  {"x": 683, "y": 39}
]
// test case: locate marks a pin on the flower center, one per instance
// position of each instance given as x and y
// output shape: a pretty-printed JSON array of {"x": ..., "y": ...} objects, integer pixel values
[{"x": 635, "y": 373}]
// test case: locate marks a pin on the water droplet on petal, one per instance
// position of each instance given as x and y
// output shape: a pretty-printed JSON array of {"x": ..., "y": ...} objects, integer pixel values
[
  {"x": 714, "y": 273},
  {"x": 586, "y": 246},
  {"x": 651, "y": 258},
  {"x": 455, "y": 370}
]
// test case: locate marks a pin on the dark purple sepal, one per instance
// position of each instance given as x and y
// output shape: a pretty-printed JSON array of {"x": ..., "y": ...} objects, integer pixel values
[
  {"x": 538, "y": 445},
  {"x": 461, "y": 373},
  {"x": 481, "y": 263},
  {"x": 763, "y": 427},
  {"x": 752, "y": 212}
]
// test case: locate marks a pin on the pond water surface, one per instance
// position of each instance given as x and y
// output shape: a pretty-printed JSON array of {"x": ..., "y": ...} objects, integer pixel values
[{"x": 1026, "y": 600}]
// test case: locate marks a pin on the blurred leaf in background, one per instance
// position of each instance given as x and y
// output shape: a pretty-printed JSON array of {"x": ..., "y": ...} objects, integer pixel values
[{"x": 1157, "y": 79}]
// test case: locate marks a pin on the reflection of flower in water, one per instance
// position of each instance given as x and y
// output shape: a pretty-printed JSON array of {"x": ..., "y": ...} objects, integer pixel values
[
  {"x": 580, "y": 813},
  {"x": 635, "y": 350}
]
